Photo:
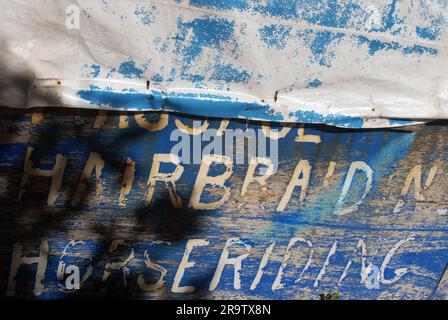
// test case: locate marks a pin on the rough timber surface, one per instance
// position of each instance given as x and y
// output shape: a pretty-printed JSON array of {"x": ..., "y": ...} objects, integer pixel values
[{"x": 128, "y": 248}]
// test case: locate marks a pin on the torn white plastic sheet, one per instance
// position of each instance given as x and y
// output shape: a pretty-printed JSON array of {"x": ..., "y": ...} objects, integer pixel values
[{"x": 347, "y": 63}]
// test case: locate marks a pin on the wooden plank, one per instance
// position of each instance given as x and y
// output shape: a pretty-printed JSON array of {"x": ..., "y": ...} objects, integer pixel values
[{"x": 250, "y": 246}]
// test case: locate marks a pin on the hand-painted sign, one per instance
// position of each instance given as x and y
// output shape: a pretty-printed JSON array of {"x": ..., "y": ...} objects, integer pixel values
[{"x": 96, "y": 203}]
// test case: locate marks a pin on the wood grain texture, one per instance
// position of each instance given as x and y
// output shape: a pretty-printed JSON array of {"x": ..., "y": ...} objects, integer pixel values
[{"x": 403, "y": 232}]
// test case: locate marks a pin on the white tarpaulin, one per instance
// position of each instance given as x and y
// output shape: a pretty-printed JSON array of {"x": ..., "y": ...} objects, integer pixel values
[{"x": 347, "y": 63}]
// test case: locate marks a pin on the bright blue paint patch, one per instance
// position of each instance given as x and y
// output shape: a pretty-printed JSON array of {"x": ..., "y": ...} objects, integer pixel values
[
  {"x": 157, "y": 77},
  {"x": 319, "y": 47},
  {"x": 92, "y": 71},
  {"x": 94, "y": 87},
  {"x": 229, "y": 73},
  {"x": 332, "y": 119},
  {"x": 209, "y": 96},
  {"x": 389, "y": 19},
  {"x": 400, "y": 122},
  {"x": 426, "y": 33},
  {"x": 320, "y": 43},
  {"x": 323, "y": 12},
  {"x": 420, "y": 50},
  {"x": 200, "y": 105},
  {"x": 207, "y": 32},
  {"x": 316, "y": 83},
  {"x": 433, "y": 31},
  {"x": 221, "y": 4},
  {"x": 95, "y": 70},
  {"x": 320, "y": 12},
  {"x": 275, "y": 35},
  {"x": 435, "y": 20},
  {"x": 111, "y": 71},
  {"x": 377, "y": 45},
  {"x": 129, "y": 70},
  {"x": 112, "y": 99},
  {"x": 332, "y": 13}
]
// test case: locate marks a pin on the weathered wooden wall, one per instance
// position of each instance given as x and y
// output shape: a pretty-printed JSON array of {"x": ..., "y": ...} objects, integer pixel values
[{"x": 401, "y": 226}]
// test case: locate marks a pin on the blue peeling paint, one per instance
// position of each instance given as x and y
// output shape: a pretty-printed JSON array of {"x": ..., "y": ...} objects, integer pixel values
[
  {"x": 316, "y": 83},
  {"x": 400, "y": 122},
  {"x": 129, "y": 70},
  {"x": 229, "y": 73},
  {"x": 336, "y": 14},
  {"x": 321, "y": 45},
  {"x": 275, "y": 35},
  {"x": 114, "y": 99},
  {"x": 95, "y": 70},
  {"x": 331, "y": 119},
  {"x": 383, "y": 150},
  {"x": 200, "y": 104},
  {"x": 378, "y": 45},
  {"x": 213, "y": 38},
  {"x": 209, "y": 32},
  {"x": 221, "y": 4},
  {"x": 323, "y": 12},
  {"x": 320, "y": 12},
  {"x": 157, "y": 77},
  {"x": 91, "y": 71},
  {"x": 389, "y": 18},
  {"x": 321, "y": 52},
  {"x": 420, "y": 50},
  {"x": 146, "y": 16},
  {"x": 375, "y": 46},
  {"x": 431, "y": 32}
]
